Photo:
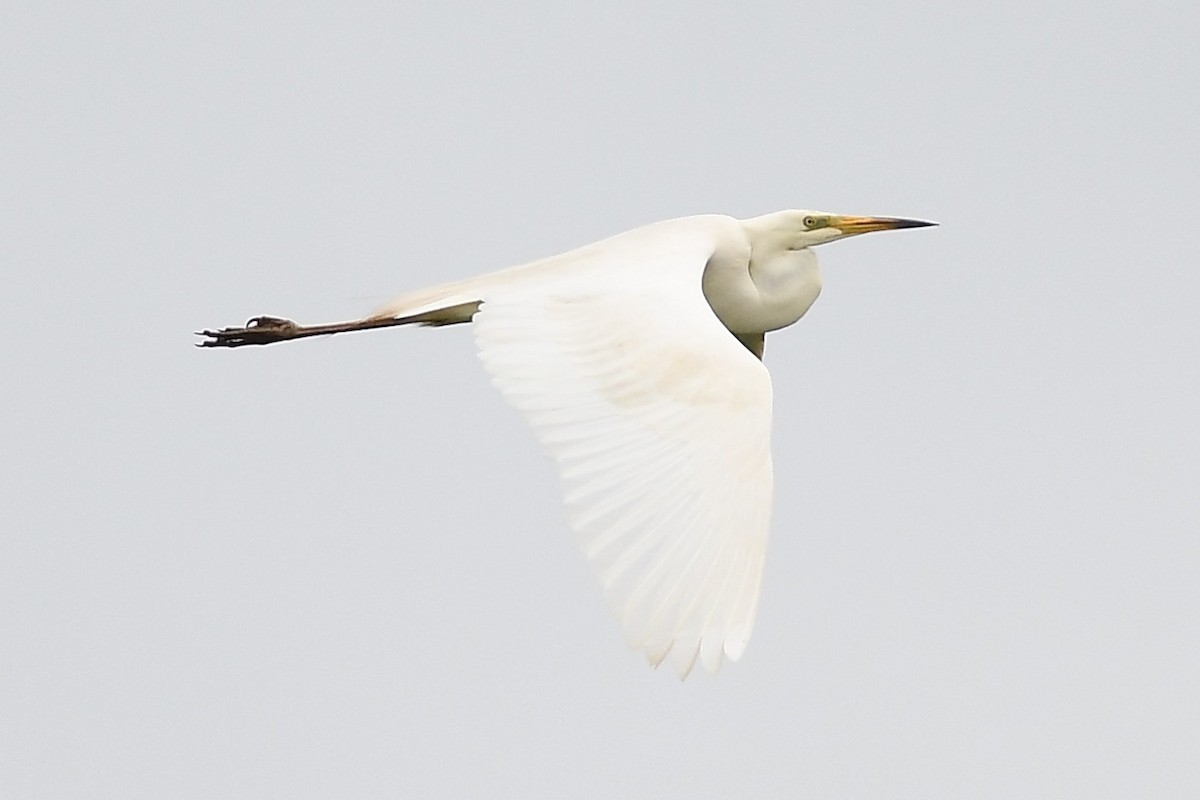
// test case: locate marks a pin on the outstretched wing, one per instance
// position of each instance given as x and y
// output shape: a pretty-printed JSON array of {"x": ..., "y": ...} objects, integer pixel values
[{"x": 659, "y": 420}]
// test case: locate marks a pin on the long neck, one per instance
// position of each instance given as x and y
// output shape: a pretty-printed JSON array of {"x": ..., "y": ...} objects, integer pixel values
[
  {"x": 753, "y": 296},
  {"x": 787, "y": 284}
]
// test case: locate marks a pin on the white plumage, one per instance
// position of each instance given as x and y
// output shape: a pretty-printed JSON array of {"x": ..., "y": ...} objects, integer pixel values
[{"x": 636, "y": 361}]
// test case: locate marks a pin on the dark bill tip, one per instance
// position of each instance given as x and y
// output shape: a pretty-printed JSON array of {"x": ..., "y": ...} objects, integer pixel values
[{"x": 913, "y": 223}]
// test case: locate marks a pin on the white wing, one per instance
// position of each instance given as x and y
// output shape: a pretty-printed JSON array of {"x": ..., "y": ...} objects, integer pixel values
[{"x": 659, "y": 420}]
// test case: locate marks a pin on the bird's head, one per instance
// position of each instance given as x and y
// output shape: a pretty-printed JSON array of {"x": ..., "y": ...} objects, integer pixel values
[{"x": 797, "y": 229}]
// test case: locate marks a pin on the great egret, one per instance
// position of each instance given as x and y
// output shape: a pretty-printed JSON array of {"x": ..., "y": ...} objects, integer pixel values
[{"x": 637, "y": 361}]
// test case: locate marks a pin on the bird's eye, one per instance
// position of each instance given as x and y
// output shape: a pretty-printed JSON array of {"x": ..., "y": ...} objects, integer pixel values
[{"x": 810, "y": 222}]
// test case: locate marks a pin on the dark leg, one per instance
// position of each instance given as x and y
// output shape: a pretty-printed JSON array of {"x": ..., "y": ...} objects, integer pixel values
[{"x": 268, "y": 330}]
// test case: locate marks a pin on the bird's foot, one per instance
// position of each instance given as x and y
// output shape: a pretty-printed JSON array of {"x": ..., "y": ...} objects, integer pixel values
[{"x": 258, "y": 330}]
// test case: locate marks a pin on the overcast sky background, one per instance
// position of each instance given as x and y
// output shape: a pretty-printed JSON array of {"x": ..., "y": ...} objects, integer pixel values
[{"x": 340, "y": 568}]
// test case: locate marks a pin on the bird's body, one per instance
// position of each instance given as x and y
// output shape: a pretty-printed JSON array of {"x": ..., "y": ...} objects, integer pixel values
[{"x": 620, "y": 356}]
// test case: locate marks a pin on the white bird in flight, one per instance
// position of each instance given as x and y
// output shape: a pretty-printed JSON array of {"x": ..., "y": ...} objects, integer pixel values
[{"x": 637, "y": 360}]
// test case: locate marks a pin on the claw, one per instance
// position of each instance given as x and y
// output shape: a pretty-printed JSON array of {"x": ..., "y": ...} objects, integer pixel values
[{"x": 258, "y": 330}]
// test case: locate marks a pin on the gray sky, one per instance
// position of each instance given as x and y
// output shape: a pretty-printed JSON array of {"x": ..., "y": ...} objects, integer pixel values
[{"x": 340, "y": 568}]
